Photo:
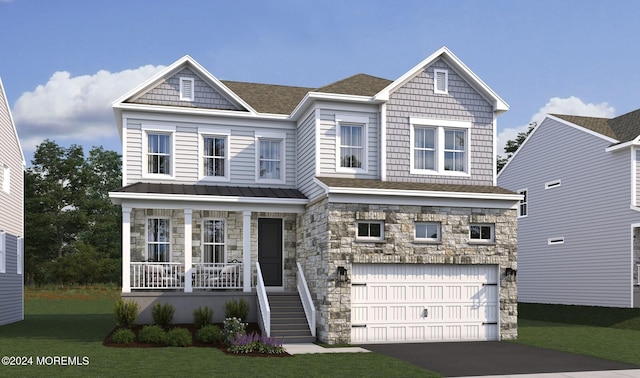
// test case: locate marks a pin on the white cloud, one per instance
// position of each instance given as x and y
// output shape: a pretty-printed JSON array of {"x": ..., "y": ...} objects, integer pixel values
[
  {"x": 74, "y": 109},
  {"x": 568, "y": 106}
]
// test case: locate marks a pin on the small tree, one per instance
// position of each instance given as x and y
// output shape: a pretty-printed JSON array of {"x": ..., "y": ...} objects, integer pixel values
[{"x": 512, "y": 146}]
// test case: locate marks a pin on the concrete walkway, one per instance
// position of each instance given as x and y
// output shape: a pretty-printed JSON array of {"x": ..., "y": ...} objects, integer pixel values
[
  {"x": 634, "y": 373},
  {"x": 313, "y": 348}
]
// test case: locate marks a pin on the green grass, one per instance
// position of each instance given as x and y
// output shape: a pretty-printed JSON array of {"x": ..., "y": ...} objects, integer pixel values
[
  {"x": 609, "y": 333},
  {"x": 59, "y": 324}
]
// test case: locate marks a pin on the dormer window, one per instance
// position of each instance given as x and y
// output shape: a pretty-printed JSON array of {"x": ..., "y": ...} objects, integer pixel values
[
  {"x": 186, "y": 89},
  {"x": 440, "y": 81}
]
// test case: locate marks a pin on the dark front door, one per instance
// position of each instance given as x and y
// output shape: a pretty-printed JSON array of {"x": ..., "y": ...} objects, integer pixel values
[{"x": 270, "y": 250}]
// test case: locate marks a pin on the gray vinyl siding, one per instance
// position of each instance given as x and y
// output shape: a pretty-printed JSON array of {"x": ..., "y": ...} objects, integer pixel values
[
  {"x": 167, "y": 93},
  {"x": 328, "y": 148},
  {"x": 416, "y": 98},
  {"x": 186, "y": 159},
  {"x": 637, "y": 168},
  {"x": 590, "y": 209},
  {"x": 306, "y": 157},
  {"x": 11, "y": 285}
]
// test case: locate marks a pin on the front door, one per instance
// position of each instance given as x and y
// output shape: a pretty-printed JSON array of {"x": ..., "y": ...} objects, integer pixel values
[{"x": 270, "y": 250}]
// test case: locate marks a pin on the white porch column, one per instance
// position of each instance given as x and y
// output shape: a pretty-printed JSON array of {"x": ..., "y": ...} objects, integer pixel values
[
  {"x": 188, "y": 266},
  {"x": 246, "y": 250},
  {"x": 126, "y": 249}
]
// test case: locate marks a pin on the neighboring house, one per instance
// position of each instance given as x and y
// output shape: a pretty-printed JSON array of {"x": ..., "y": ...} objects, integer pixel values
[
  {"x": 378, "y": 197},
  {"x": 12, "y": 166},
  {"x": 578, "y": 224}
]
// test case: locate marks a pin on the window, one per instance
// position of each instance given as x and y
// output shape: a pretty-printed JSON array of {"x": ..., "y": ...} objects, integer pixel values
[
  {"x": 186, "y": 89},
  {"x": 427, "y": 231},
  {"x": 20, "y": 254},
  {"x": 270, "y": 159},
  {"x": 158, "y": 153},
  {"x": 552, "y": 241},
  {"x": 6, "y": 178},
  {"x": 439, "y": 147},
  {"x": 214, "y": 156},
  {"x": 351, "y": 141},
  {"x": 3, "y": 252},
  {"x": 481, "y": 233},
  {"x": 552, "y": 184},
  {"x": 441, "y": 81},
  {"x": 522, "y": 205},
  {"x": 213, "y": 244},
  {"x": 158, "y": 239},
  {"x": 370, "y": 231}
]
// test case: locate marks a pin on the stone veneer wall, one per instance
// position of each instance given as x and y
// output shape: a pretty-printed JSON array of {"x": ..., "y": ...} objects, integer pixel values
[
  {"x": 331, "y": 242},
  {"x": 233, "y": 234}
]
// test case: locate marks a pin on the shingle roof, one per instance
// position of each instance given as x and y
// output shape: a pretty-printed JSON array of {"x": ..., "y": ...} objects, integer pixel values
[
  {"x": 622, "y": 128},
  {"x": 357, "y": 85},
  {"x": 393, "y": 185},
  {"x": 268, "y": 98},
  {"x": 211, "y": 190}
]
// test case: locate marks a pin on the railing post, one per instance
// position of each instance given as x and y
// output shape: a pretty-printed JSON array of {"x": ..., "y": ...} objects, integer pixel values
[
  {"x": 126, "y": 249},
  {"x": 188, "y": 266},
  {"x": 246, "y": 250}
]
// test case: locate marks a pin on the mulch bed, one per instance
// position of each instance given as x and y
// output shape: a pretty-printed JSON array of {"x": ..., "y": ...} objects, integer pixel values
[{"x": 251, "y": 327}]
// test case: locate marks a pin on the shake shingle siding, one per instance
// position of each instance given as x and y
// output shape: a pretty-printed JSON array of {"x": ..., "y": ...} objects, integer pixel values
[
  {"x": 417, "y": 99},
  {"x": 590, "y": 210},
  {"x": 168, "y": 93}
]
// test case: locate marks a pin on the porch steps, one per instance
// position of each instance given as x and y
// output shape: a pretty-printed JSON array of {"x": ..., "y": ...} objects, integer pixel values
[{"x": 288, "y": 321}]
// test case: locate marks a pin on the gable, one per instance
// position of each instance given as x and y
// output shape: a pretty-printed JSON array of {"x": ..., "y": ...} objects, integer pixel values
[
  {"x": 167, "y": 93},
  {"x": 10, "y": 147}
]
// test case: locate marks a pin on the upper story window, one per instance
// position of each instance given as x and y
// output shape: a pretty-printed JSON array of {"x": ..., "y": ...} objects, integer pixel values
[
  {"x": 370, "y": 231},
  {"x": 213, "y": 241},
  {"x": 440, "y": 81},
  {"x": 523, "y": 203},
  {"x": 186, "y": 89},
  {"x": 6, "y": 178},
  {"x": 270, "y": 159},
  {"x": 214, "y": 154},
  {"x": 159, "y": 239},
  {"x": 481, "y": 233},
  {"x": 440, "y": 147},
  {"x": 159, "y": 151},
  {"x": 351, "y": 143},
  {"x": 427, "y": 231}
]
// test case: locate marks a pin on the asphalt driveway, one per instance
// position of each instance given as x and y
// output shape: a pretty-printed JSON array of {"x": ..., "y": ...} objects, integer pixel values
[{"x": 492, "y": 358}]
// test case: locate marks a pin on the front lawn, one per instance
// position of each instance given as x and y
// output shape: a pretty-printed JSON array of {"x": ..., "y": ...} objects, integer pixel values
[
  {"x": 65, "y": 326},
  {"x": 609, "y": 333}
]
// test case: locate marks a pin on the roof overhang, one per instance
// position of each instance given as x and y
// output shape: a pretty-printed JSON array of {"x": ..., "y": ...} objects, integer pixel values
[{"x": 310, "y": 97}]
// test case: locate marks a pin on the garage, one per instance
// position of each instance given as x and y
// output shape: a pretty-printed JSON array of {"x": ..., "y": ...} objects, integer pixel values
[{"x": 409, "y": 303}]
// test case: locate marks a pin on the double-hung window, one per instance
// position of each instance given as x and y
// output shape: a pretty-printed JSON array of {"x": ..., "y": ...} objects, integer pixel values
[
  {"x": 523, "y": 203},
  {"x": 351, "y": 143},
  {"x": 158, "y": 150},
  {"x": 213, "y": 241},
  {"x": 270, "y": 158},
  {"x": 439, "y": 147},
  {"x": 214, "y": 154},
  {"x": 158, "y": 239}
]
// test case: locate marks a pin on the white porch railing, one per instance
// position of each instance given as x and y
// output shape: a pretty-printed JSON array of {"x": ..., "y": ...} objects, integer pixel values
[
  {"x": 307, "y": 302},
  {"x": 263, "y": 303},
  {"x": 157, "y": 275},
  {"x": 217, "y": 276}
]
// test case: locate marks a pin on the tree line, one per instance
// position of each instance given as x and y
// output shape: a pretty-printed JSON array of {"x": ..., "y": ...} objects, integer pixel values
[{"x": 73, "y": 232}]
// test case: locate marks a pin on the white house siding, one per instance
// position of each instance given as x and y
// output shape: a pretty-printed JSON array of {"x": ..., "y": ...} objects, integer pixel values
[
  {"x": 590, "y": 209},
  {"x": 11, "y": 204},
  {"x": 328, "y": 149},
  {"x": 637, "y": 169},
  {"x": 306, "y": 156},
  {"x": 416, "y": 98},
  {"x": 186, "y": 150}
]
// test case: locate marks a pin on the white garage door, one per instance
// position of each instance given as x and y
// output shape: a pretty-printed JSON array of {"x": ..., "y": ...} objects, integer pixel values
[{"x": 396, "y": 303}]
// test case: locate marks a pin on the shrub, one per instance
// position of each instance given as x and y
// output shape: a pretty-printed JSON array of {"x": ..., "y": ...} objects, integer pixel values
[
  {"x": 232, "y": 327},
  {"x": 123, "y": 336},
  {"x": 126, "y": 312},
  {"x": 209, "y": 334},
  {"x": 237, "y": 309},
  {"x": 202, "y": 316},
  {"x": 179, "y": 337},
  {"x": 162, "y": 315},
  {"x": 152, "y": 334},
  {"x": 255, "y": 343}
]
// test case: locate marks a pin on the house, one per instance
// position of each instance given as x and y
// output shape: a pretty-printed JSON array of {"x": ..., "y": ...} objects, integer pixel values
[
  {"x": 578, "y": 223},
  {"x": 375, "y": 200},
  {"x": 12, "y": 166}
]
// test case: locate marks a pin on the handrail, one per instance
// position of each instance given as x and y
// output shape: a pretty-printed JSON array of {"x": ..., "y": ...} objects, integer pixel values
[
  {"x": 307, "y": 302},
  {"x": 263, "y": 302}
]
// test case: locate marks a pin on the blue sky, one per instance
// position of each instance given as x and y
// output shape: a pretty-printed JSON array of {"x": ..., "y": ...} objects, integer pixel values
[{"x": 63, "y": 62}]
